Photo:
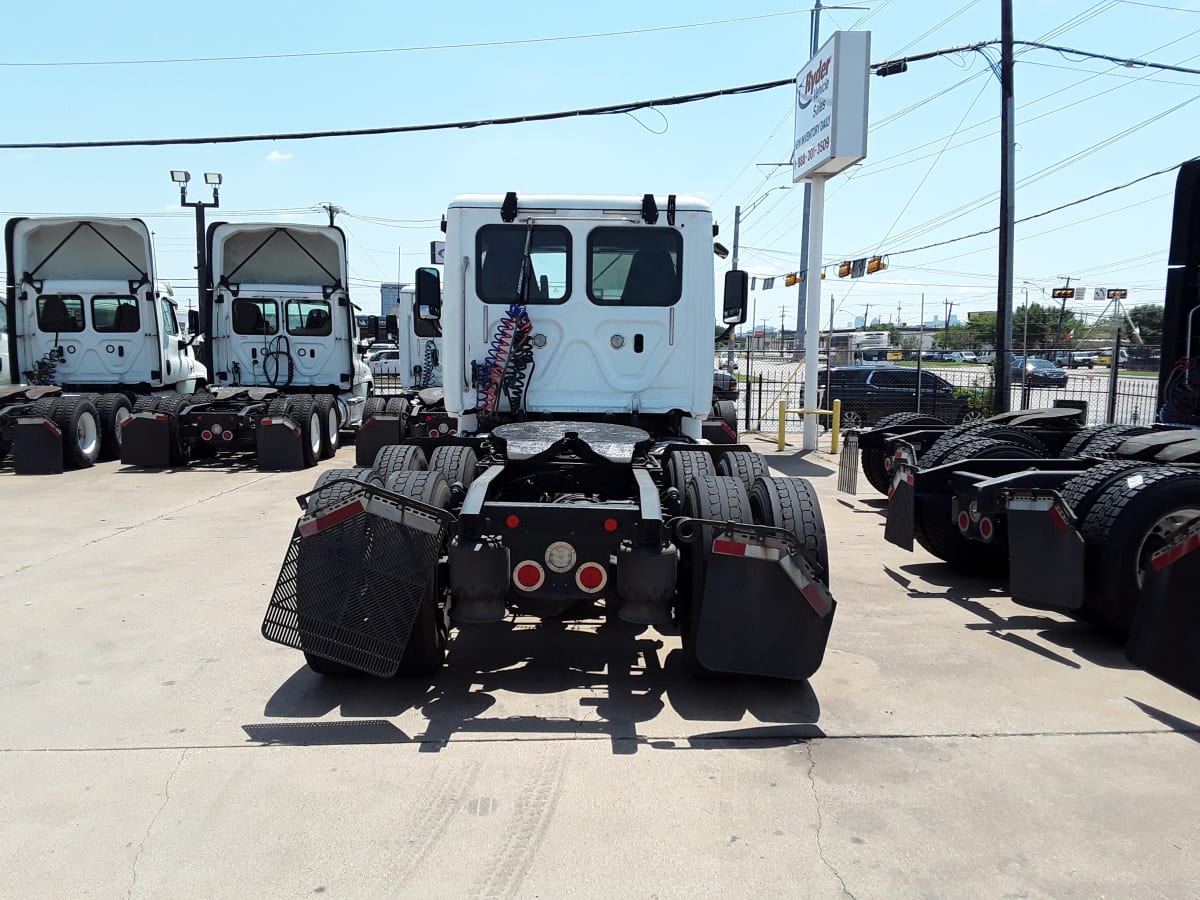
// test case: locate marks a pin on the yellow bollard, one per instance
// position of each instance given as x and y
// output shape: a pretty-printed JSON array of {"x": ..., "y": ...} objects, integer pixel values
[
  {"x": 837, "y": 424},
  {"x": 782, "y": 422}
]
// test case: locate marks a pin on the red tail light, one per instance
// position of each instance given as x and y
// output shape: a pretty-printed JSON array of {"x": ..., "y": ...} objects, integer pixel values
[
  {"x": 207, "y": 435},
  {"x": 591, "y": 577},
  {"x": 528, "y": 575}
]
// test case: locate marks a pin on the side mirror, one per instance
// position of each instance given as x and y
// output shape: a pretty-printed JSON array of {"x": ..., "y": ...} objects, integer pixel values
[
  {"x": 373, "y": 328},
  {"x": 737, "y": 290},
  {"x": 183, "y": 345},
  {"x": 392, "y": 328},
  {"x": 427, "y": 304},
  {"x": 193, "y": 321}
]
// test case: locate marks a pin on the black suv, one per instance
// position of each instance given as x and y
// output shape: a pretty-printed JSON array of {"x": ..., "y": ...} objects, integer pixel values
[{"x": 868, "y": 393}]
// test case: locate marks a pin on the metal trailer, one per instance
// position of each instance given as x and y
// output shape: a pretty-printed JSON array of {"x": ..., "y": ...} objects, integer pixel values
[
  {"x": 1101, "y": 522},
  {"x": 280, "y": 340},
  {"x": 90, "y": 335},
  {"x": 577, "y": 343}
]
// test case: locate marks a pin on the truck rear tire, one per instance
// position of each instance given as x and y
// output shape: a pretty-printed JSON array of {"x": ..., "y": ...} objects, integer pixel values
[
  {"x": 742, "y": 464},
  {"x": 77, "y": 419},
  {"x": 398, "y": 458},
  {"x": 330, "y": 427},
  {"x": 791, "y": 504},
  {"x": 720, "y": 498},
  {"x": 685, "y": 465},
  {"x": 425, "y": 652},
  {"x": 947, "y": 445},
  {"x": 373, "y": 406},
  {"x": 726, "y": 411},
  {"x": 336, "y": 493},
  {"x": 457, "y": 463},
  {"x": 1105, "y": 445},
  {"x": 1122, "y": 531},
  {"x": 873, "y": 460},
  {"x": 306, "y": 415},
  {"x": 112, "y": 410}
]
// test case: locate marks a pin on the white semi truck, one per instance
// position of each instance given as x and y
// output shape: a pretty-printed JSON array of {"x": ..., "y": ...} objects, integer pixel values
[
  {"x": 90, "y": 334},
  {"x": 577, "y": 338},
  {"x": 280, "y": 341}
]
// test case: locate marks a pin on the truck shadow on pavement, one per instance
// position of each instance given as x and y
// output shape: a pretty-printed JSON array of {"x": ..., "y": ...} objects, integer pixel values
[
  {"x": 618, "y": 673},
  {"x": 798, "y": 465},
  {"x": 1080, "y": 639}
]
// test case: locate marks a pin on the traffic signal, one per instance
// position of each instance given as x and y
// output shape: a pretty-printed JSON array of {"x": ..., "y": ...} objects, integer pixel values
[
  {"x": 876, "y": 264},
  {"x": 790, "y": 279},
  {"x": 844, "y": 269},
  {"x": 1063, "y": 293},
  {"x": 1117, "y": 293}
]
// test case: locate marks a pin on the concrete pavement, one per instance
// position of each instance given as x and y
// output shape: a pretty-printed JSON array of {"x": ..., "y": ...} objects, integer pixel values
[{"x": 154, "y": 745}]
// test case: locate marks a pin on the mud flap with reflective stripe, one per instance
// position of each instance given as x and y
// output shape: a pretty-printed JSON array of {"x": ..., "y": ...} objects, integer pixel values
[
  {"x": 146, "y": 440},
  {"x": 37, "y": 447},
  {"x": 354, "y": 578},
  {"x": 763, "y": 611},
  {"x": 900, "y": 509},
  {"x": 1045, "y": 552},
  {"x": 279, "y": 445},
  {"x": 1166, "y": 628},
  {"x": 373, "y": 435}
]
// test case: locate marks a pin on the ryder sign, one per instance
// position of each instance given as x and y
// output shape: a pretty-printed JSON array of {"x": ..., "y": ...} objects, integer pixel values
[{"x": 831, "y": 107}]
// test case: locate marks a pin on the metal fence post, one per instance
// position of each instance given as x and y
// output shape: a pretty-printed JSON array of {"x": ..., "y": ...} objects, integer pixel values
[{"x": 1112, "y": 376}]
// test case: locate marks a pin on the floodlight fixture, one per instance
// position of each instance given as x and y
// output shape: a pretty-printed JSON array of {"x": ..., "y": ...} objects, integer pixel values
[
  {"x": 213, "y": 178},
  {"x": 181, "y": 177}
]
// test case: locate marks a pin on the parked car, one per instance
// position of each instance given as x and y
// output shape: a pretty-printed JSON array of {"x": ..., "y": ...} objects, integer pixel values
[
  {"x": 962, "y": 356},
  {"x": 1076, "y": 359},
  {"x": 725, "y": 386},
  {"x": 1040, "y": 372},
  {"x": 1104, "y": 357},
  {"x": 868, "y": 393},
  {"x": 373, "y": 350},
  {"x": 384, "y": 362}
]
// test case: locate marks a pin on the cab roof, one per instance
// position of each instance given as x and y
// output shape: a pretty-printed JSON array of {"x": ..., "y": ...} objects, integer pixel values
[{"x": 622, "y": 202}]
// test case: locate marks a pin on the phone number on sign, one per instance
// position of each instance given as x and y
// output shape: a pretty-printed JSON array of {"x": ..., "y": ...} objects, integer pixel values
[{"x": 813, "y": 152}]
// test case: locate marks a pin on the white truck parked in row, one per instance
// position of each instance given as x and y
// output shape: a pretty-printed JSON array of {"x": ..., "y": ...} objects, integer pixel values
[
  {"x": 280, "y": 340},
  {"x": 90, "y": 333},
  {"x": 577, "y": 338}
]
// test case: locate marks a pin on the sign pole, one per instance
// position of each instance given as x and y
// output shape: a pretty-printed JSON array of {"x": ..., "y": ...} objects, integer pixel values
[{"x": 812, "y": 334}]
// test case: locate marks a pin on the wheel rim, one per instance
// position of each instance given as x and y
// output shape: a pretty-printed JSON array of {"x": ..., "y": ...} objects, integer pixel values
[
  {"x": 118, "y": 416},
  {"x": 1160, "y": 534},
  {"x": 851, "y": 420},
  {"x": 314, "y": 431},
  {"x": 87, "y": 434},
  {"x": 972, "y": 415},
  {"x": 331, "y": 426}
]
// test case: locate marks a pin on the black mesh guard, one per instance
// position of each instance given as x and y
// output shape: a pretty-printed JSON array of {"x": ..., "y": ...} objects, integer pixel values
[{"x": 351, "y": 592}]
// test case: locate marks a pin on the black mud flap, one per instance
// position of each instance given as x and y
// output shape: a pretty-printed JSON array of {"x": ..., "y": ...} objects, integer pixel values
[
  {"x": 374, "y": 434},
  {"x": 1045, "y": 552},
  {"x": 146, "y": 440},
  {"x": 1166, "y": 629},
  {"x": 37, "y": 447},
  {"x": 763, "y": 611},
  {"x": 279, "y": 445},
  {"x": 717, "y": 431},
  {"x": 901, "y": 509},
  {"x": 354, "y": 577},
  {"x": 848, "y": 465}
]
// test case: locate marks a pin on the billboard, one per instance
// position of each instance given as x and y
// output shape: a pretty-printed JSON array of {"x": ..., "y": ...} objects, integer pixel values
[{"x": 831, "y": 107}]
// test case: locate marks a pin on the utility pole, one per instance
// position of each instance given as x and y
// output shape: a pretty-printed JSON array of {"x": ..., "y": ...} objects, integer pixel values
[
  {"x": 866, "y": 316},
  {"x": 1007, "y": 209},
  {"x": 946, "y": 332},
  {"x": 737, "y": 221},
  {"x": 333, "y": 210},
  {"x": 898, "y": 314}
]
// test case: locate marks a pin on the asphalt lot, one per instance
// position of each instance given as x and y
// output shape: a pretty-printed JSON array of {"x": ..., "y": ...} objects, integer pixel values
[{"x": 154, "y": 745}]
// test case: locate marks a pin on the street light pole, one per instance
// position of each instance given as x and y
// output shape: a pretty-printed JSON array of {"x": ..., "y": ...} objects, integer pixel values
[{"x": 213, "y": 179}]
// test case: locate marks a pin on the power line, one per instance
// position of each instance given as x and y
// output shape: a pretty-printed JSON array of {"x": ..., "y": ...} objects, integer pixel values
[{"x": 386, "y": 50}]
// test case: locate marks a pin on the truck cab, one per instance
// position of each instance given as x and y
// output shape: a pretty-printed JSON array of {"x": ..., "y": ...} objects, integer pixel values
[
  {"x": 581, "y": 307},
  {"x": 85, "y": 311}
]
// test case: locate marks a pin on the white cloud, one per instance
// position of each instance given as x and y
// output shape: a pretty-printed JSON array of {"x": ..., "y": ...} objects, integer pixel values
[{"x": 276, "y": 156}]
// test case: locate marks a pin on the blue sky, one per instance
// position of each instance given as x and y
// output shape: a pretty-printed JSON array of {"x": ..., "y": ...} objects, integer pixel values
[{"x": 931, "y": 172}]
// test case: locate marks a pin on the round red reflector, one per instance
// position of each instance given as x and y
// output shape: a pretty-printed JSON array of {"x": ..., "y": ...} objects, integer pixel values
[
  {"x": 964, "y": 521},
  {"x": 433, "y": 432},
  {"x": 985, "y": 527},
  {"x": 610, "y": 524},
  {"x": 887, "y": 464},
  {"x": 429, "y": 418},
  {"x": 229, "y": 435},
  {"x": 512, "y": 521},
  {"x": 591, "y": 577},
  {"x": 207, "y": 435},
  {"x": 528, "y": 576}
]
